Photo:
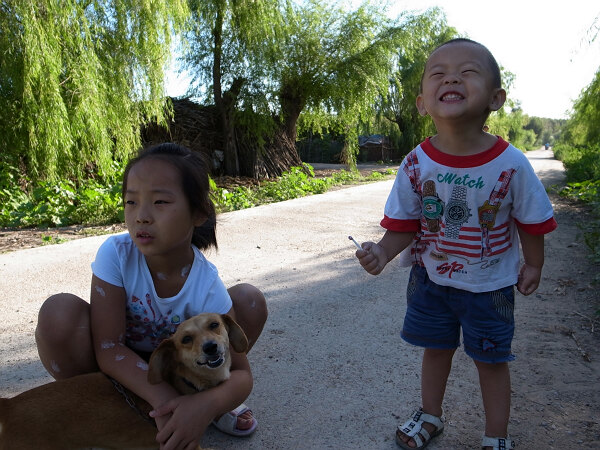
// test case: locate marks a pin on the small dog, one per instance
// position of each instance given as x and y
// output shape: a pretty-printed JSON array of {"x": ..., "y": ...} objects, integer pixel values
[{"x": 92, "y": 411}]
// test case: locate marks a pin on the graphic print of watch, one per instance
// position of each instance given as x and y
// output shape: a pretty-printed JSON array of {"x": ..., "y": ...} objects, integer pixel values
[
  {"x": 457, "y": 212},
  {"x": 433, "y": 206}
]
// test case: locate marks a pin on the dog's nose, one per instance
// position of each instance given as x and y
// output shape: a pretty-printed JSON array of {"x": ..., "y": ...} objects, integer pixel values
[{"x": 210, "y": 348}]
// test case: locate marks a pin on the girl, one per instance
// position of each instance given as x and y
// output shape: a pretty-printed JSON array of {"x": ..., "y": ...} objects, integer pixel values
[{"x": 144, "y": 284}]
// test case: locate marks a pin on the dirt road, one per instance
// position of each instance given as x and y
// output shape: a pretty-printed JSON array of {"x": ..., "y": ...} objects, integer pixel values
[{"x": 331, "y": 370}]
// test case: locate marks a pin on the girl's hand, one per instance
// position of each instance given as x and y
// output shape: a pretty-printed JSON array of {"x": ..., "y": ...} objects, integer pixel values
[
  {"x": 372, "y": 257},
  {"x": 529, "y": 279},
  {"x": 181, "y": 422}
]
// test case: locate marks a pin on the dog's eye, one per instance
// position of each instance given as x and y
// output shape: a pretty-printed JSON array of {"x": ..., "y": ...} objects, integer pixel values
[
  {"x": 214, "y": 325},
  {"x": 186, "y": 339}
]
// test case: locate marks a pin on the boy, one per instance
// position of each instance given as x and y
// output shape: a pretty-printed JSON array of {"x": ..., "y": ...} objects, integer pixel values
[{"x": 460, "y": 203}]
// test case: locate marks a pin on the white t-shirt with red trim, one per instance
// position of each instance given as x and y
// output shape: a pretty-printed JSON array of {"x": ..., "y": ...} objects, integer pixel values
[
  {"x": 150, "y": 318},
  {"x": 465, "y": 210}
]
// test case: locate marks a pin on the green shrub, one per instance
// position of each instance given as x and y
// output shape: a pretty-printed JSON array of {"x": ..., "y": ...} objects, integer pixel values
[
  {"x": 52, "y": 205},
  {"x": 581, "y": 163}
]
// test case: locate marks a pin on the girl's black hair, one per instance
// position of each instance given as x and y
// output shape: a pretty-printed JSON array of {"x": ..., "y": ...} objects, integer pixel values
[{"x": 193, "y": 170}]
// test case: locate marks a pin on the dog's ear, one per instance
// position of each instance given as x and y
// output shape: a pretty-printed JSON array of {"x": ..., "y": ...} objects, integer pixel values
[
  {"x": 161, "y": 362},
  {"x": 237, "y": 337}
]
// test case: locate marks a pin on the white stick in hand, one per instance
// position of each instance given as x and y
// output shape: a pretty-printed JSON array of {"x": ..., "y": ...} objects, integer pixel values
[{"x": 355, "y": 243}]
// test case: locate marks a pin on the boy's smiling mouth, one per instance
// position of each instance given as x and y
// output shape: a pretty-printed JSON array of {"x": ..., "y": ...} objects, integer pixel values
[{"x": 451, "y": 97}]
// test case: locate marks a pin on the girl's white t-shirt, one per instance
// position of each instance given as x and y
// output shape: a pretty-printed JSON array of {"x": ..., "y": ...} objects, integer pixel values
[
  {"x": 465, "y": 211},
  {"x": 150, "y": 318}
]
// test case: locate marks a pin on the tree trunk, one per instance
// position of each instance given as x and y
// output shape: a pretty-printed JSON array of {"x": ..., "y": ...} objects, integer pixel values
[
  {"x": 292, "y": 105},
  {"x": 228, "y": 126},
  {"x": 225, "y": 103}
]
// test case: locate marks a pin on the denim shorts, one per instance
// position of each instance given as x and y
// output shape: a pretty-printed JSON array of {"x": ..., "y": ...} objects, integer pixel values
[{"x": 435, "y": 315}]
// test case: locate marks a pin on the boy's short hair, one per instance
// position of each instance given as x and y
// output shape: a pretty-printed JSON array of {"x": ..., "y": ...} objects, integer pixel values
[{"x": 492, "y": 63}]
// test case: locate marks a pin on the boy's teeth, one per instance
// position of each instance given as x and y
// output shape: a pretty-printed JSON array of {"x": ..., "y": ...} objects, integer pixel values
[{"x": 451, "y": 97}]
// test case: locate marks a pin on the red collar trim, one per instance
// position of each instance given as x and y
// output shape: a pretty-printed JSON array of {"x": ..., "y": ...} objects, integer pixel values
[{"x": 478, "y": 159}]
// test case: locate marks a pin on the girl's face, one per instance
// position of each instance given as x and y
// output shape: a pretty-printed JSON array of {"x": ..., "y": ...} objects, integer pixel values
[
  {"x": 157, "y": 211},
  {"x": 457, "y": 84}
]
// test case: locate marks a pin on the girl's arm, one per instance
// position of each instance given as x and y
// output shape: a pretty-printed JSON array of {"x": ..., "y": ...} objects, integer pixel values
[
  {"x": 533, "y": 254},
  {"x": 114, "y": 358},
  {"x": 191, "y": 414}
]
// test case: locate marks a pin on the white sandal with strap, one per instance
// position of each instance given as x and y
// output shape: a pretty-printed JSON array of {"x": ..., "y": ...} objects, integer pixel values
[
  {"x": 227, "y": 423},
  {"x": 413, "y": 428},
  {"x": 498, "y": 443}
]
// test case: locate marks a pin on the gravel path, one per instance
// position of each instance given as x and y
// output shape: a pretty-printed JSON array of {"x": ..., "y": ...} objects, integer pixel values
[{"x": 331, "y": 370}]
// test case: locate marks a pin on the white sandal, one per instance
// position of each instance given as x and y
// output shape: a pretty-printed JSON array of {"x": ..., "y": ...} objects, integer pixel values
[
  {"x": 413, "y": 428},
  {"x": 227, "y": 423},
  {"x": 498, "y": 443}
]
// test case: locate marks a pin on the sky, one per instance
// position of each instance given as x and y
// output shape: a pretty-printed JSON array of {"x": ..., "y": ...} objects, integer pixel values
[{"x": 545, "y": 43}]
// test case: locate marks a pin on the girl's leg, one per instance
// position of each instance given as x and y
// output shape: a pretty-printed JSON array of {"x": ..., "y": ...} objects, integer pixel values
[
  {"x": 435, "y": 370},
  {"x": 494, "y": 380},
  {"x": 250, "y": 309},
  {"x": 251, "y": 314},
  {"x": 64, "y": 338}
]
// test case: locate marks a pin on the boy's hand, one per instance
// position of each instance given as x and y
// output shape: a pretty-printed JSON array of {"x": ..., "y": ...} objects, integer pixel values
[
  {"x": 372, "y": 257},
  {"x": 529, "y": 279}
]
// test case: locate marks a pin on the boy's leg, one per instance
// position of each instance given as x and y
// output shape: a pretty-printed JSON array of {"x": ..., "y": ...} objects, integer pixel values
[
  {"x": 494, "y": 380},
  {"x": 250, "y": 309},
  {"x": 435, "y": 370},
  {"x": 64, "y": 338}
]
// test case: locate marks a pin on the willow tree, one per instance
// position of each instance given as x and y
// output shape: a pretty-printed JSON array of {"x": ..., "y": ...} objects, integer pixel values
[
  {"x": 229, "y": 49},
  {"x": 334, "y": 65},
  {"x": 78, "y": 78},
  {"x": 397, "y": 114}
]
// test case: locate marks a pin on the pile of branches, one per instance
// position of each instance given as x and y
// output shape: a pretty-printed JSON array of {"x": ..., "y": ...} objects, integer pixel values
[
  {"x": 192, "y": 125},
  {"x": 196, "y": 127}
]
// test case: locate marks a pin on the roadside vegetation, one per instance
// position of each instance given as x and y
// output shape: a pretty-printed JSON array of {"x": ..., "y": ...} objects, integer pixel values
[
  {"x": 55, "y": 205},
  {"x": 579, "y": 150}
]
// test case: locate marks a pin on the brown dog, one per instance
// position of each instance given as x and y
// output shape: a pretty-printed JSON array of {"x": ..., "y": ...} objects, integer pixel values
[{"x": 90, "y": 411}]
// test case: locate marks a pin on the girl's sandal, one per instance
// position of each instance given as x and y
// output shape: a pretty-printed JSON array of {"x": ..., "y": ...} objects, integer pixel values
[
  {"x": 413, "y": 428},
  {"x": 227, "y": 423},
  {"x": 498, "y": 443}
]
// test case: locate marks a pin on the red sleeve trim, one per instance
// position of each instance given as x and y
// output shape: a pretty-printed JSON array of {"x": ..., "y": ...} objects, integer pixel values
[
  {"x": 538, "y": 228},
  {"x": 400, "y": 225}
]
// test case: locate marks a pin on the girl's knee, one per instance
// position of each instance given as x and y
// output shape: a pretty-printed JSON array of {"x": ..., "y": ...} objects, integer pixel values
[
  {"x": 59, "y": 314},
  {"x": 250, "y": 308},
  {"x": 248, "y": 299},
  {"x": 63, "y": 336}
]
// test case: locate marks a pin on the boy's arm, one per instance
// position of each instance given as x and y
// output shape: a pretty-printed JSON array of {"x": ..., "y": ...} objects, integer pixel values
[
  {"x": 374, "y": 257},
  {"x": 533, "y": 254}
]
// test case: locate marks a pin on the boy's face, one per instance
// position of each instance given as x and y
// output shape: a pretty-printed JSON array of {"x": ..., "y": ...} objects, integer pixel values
[{"x": 458, "y": 85}]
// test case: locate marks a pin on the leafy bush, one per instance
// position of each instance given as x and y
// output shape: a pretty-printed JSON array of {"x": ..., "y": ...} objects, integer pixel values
[
  {"x": 583, "y": 173},
  {"x": 293, "y": 184},
  {"x": 11, "y": 195},
  {"x": 49, "y": 205},
  {"x": 52, "y": 205},
  {"x": 99, "y": 205},
  {"x": 581, "y": 163}
]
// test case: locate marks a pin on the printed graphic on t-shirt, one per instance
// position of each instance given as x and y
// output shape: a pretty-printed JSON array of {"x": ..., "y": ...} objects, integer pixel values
[
  {"x": 465, "y": 211},
  {"x": 146, "y": 324},
  {"x": 447, "y": 231}
]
